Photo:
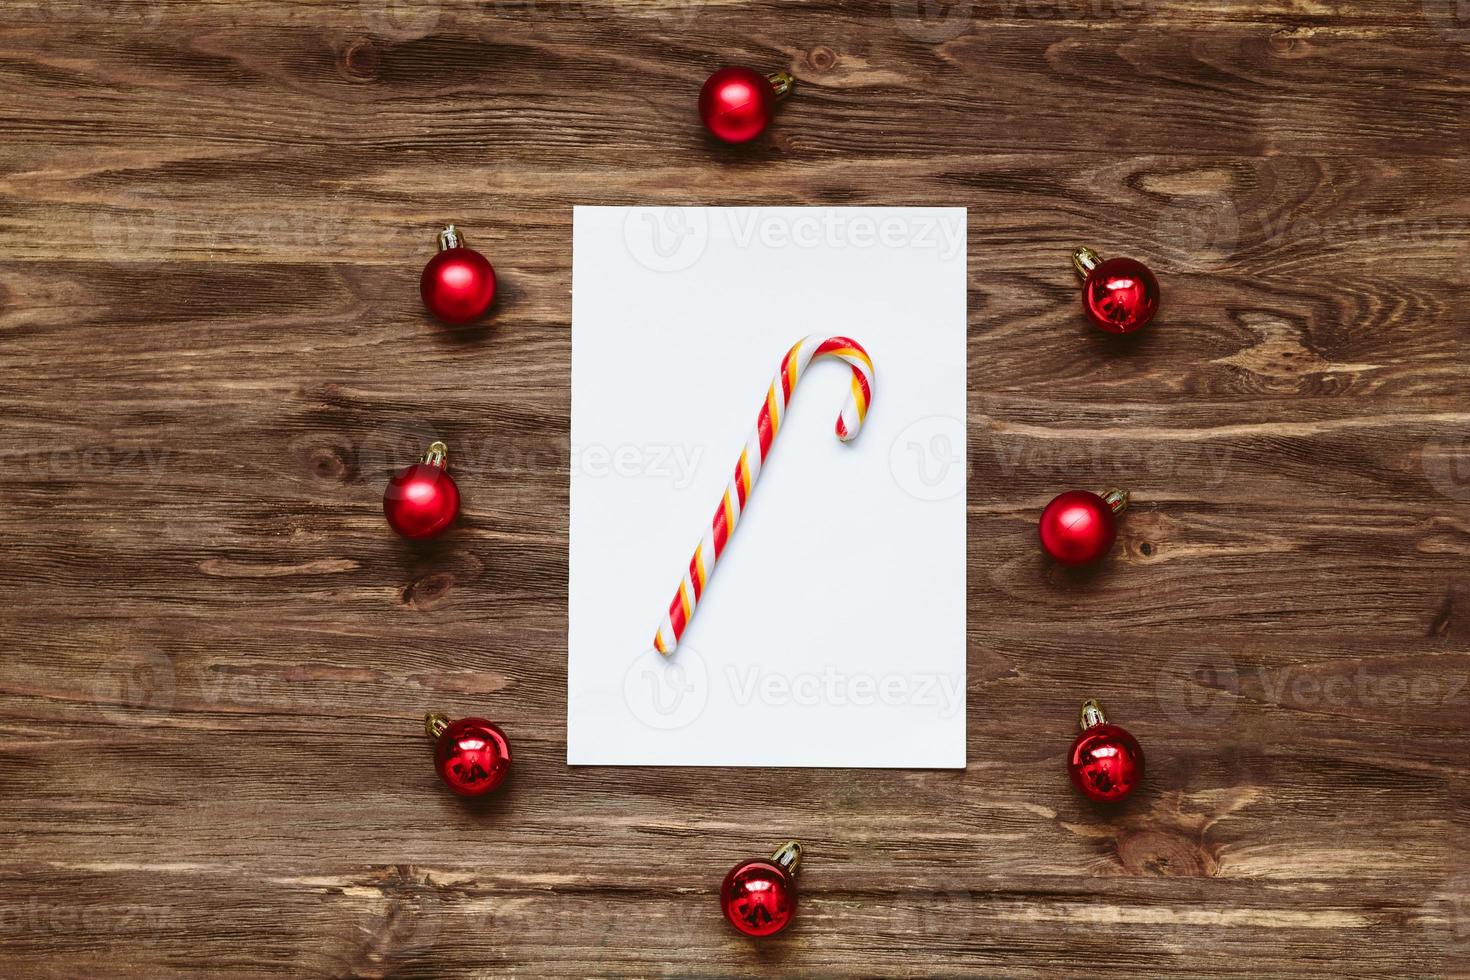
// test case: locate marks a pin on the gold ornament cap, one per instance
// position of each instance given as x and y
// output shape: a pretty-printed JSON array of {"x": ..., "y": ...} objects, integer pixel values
[
  {"x": 1117, "y": 500},
  {"x": 435, "y": 724},
  {"x": 788, "y": 857},
  {"x": 1084, "y": 260},
  {"x": 450, "y": 237}
]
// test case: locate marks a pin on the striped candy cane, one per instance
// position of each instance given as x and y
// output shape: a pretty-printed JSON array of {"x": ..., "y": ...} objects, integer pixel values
[{"x": 752, "y": 460}]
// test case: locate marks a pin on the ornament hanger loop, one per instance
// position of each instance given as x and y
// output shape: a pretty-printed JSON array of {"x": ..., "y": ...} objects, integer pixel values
[
  {"x": 788, "y": 856},
  {"x": 449, "y": 238},
  {"x": 1085, "y": 260}
]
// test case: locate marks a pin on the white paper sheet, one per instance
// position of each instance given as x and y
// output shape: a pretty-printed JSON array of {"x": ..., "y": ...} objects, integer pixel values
[{"x": 833, "y": 630}]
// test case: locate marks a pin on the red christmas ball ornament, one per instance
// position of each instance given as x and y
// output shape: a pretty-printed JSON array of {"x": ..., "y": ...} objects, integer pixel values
[
  {"x": 1119, "y": 295},
  {"x": 472, "y": 755},
  {"x": 759, "y": 895},
  {"x": 422, "y": 500},
  {"x": 1106, "y": 763},
  {"x": 1079, "y": 526},
  {"x": 458, "y": 283},
  {"x": 737, "y": 104}
]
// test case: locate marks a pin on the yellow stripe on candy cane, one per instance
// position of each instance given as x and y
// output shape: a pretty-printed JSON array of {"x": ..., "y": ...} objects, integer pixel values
[
  {"x": 862, "y": 401},
  {"x": 699, "y": 571},
  {"x": 854, "y": 352}
]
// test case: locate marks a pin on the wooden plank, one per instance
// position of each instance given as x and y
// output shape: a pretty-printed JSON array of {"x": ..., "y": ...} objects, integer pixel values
[
  {"x": 213, "y": 660},
  {"x": 1249, "y": 89}
]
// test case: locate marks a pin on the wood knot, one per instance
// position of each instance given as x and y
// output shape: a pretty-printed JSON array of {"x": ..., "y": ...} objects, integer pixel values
[
  {"x": 1156, "y": 853},
  {"x": 429, "y": 591},
  {"x": 1440, "y": 625},
  {"x": 822, "y": 58},
  {"x": 1291, "y": 43},
  {"x": 330, "y": 394},
  {"x": 359, "y": 61},
  {"x": 330, "y": 463},
  {"x": 1144, "y": 535}
]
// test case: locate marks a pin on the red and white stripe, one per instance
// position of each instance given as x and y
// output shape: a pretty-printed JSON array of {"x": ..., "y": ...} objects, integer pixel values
[{"x": 752, "y": 460}]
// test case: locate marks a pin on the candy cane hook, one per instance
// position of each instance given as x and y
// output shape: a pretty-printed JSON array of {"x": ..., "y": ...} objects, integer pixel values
[{"x": 752, "y": 461}]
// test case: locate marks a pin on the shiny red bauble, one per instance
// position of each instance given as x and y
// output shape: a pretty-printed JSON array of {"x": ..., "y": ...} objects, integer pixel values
[
  {"x": 422, "y": 500},
  {"x": 1079, "y": 526},
  {"x": 458, "y": 283},
  {"x": 472, "y": 755},
  {"x": 759, "y": 896},
  {"x": 1106, "y": 763},
  {"x": 737, "y": 104},
  {"x": 1118, "y": 295}
]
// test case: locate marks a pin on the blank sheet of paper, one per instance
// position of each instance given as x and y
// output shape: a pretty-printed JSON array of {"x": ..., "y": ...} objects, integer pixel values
[{"x": 832, "y": 632}]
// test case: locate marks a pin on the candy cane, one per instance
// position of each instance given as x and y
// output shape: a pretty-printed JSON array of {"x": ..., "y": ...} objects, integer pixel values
[{"x": 752, "y": 461}]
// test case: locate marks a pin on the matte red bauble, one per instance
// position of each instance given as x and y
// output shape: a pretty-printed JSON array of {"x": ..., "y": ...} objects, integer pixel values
[
  {"x": 458, "y": 284},
  {"x": 1106, "y": 763},
  {"x": 472, "y": 755},
  {"x": 422, "y": 500},
  {"x": 1079, "y": 526},
  {"x": 759, "y": 896},
  {"x": 1119, "y": 295},
  {"x": 737, "y": 104}
]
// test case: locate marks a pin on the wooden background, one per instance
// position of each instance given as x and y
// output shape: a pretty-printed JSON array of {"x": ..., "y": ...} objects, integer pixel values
[{"x": 212, "y": 354}]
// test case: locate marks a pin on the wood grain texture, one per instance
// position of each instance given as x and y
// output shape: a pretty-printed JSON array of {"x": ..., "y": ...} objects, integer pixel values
[{"x": 213, "y": 658}]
